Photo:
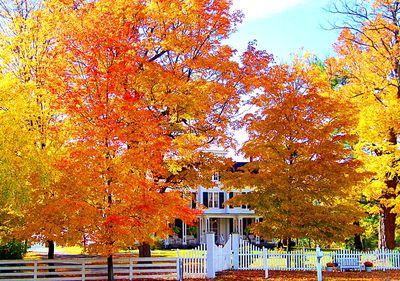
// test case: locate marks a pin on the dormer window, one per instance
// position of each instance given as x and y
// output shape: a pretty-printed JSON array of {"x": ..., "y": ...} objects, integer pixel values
[{"x": 216, "y": 177}]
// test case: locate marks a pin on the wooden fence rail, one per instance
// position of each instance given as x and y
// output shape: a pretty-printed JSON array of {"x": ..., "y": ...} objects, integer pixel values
[{"x": 90, "y": 269}]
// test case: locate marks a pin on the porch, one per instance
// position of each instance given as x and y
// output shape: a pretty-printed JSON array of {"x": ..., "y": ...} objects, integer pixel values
[{"x": 222, "y": 225}]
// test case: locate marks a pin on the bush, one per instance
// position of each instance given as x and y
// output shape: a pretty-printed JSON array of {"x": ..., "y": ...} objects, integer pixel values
[
  {"x": 13, "y": 250},
  {"x": 158, "y": 245}
]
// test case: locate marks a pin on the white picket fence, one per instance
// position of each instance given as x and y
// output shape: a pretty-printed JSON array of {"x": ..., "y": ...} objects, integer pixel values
[
  {"x": 302, "y": 260},
  {"x": 255, "y": 258},
  {"x": 90, "y": 269},
  {"x": 250, "y": 256},
  {"x": 381, "y": 259},
  {"x": 194, "y": 262}
]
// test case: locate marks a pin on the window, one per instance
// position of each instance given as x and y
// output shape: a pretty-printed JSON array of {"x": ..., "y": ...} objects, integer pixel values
[
  {"x": 233, "y": 194},
  {"x": 193, "y": 200},
  {"x": 213, "y": 199},
  {"x": 216, "y": 177}
]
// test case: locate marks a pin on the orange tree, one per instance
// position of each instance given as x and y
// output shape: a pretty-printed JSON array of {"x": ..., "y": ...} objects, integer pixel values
[
  {"x": 368, "y": 49},
  {"x": 301, "y": 168},
  {"x": 146, "y": 87}
]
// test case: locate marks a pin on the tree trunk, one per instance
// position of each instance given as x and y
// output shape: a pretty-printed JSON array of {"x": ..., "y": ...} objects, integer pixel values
[
  {"x": 50, "y": 254},
  {"x": 144, "y": 250},
  {"x": 289, "y": 248},
  {"x": 357, "y": 239},
  {"x": 357, "y": 242},
  {"x": 387, "y": 217},
  {"x": 110, "y": 270},
  {"x": 387, "y": 229},
  {"x": 289, "y": 243}
]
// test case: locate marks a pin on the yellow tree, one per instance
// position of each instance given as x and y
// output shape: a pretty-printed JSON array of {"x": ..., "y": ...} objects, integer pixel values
[
  {"x": 13, "y": 158},
  {"x": 368, "y": 51},
  {"x": 301, "y": 168},
  {"x": 30, "y": 143}
]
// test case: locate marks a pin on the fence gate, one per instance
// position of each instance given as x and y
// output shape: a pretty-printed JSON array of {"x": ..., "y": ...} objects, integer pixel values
[{"x": 222, "y": 256}]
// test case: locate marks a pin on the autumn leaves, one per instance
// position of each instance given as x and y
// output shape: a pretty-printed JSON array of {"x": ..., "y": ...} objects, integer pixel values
[
  {"x": 117, "y": 110},
  {"x": 107, "y": 108}
]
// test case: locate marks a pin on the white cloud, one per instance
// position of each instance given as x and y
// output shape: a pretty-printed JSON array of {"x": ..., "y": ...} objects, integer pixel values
[{"x": 256, "y": 9}]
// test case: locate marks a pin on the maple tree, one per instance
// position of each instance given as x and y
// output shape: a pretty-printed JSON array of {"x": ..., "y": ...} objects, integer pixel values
[
  {"x": 146, "y": 87},
  {"x": 368, "y": 60},
  {"x": 302, "y": 167}
]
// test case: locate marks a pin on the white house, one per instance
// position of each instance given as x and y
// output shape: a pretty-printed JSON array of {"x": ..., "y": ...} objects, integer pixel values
[{"x": 220, "y": 219}]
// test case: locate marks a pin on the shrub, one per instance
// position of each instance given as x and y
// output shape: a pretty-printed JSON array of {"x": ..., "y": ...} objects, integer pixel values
[{"x": 13, "y": 250}]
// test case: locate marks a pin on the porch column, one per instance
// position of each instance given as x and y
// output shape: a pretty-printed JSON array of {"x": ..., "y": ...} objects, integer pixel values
[
  {"x": 235, "y": 225},
  {"x": 240, "y": 225},
  {"x": 257, "y": 237},
  {"x": 184, "y": 233},
  {"x": 202, "y": 230}
]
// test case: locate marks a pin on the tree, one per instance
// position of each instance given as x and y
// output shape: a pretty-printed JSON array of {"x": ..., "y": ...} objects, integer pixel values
[
  {"x": 368, "y": 57},
  {"x": 302, "y": 167},
  {"x": 30, "y": 143},
  {"x": 146, "y": 87}
]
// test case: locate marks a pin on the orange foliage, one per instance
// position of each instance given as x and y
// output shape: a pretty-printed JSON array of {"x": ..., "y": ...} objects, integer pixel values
[
  {"x": 302, "y": 168},
  {"x": 145, "y": 86}
]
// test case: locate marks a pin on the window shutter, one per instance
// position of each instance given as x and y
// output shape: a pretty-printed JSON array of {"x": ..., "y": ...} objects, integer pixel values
[
  {"x": 230, "y": 196},
  {"x": 193, "y": 200},
  {"x": 221, "y": 200},
  {"x": 205, "y": 199},
  {"x": 243, "y": 206}
]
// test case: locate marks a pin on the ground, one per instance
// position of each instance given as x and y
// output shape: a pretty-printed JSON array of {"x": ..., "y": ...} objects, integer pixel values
[
  {"x": 308, "y": 275},
  {"x": 251, "y": 274}
]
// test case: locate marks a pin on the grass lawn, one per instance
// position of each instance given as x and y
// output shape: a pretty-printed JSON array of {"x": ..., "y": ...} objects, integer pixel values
[{"x": 76, "y": 250}]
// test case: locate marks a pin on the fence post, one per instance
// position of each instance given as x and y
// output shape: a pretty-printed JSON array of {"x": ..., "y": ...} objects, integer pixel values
[
  {"x": 35, "y": 270},
  {"x": 265, "y": 256},
  {"x": 83, "y": 270},
  {"x": 210, "y": 241},
  {"x": 130, "y": 269},
  {"x": 319, "y": 266},
  {"x": 180, "y": 268},
  {"x": 235, "y": 250}
]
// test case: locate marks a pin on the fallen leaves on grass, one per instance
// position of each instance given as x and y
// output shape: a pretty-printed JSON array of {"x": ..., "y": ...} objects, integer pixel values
[{"x": 306, "y": 276}]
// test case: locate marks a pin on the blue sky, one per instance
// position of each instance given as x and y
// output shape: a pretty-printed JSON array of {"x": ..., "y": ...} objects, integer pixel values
[{"x": 284, "y": 27}]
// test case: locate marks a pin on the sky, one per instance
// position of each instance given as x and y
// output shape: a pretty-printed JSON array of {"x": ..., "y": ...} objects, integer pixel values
[{"x": 285, "y": 27}]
